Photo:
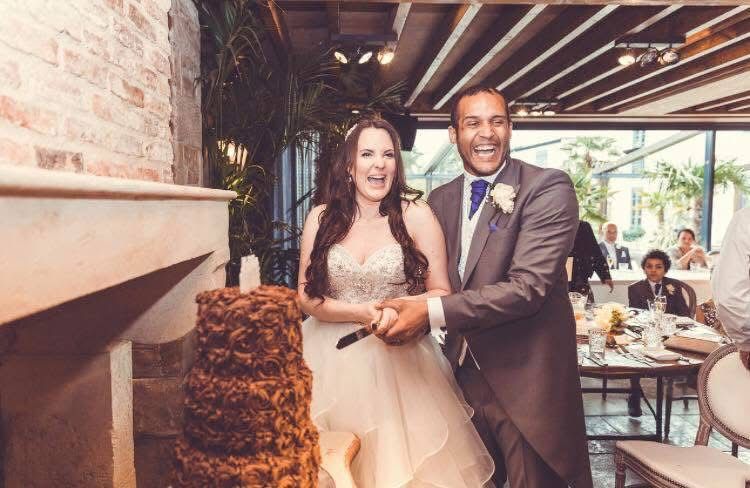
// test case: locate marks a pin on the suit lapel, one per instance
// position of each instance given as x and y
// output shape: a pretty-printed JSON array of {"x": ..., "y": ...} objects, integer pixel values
[
  {"x": 452, "y": 211},
  {"x": 509, "y": 176}
]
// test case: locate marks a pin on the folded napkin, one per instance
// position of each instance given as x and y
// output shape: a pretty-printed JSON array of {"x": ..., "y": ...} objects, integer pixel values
[
  {"x": 661, "y": 355},
  {"x": 702, "y": 333}
]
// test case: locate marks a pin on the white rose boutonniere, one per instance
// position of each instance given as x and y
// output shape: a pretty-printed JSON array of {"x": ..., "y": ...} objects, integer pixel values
[
  {"x": 670, "y": 289},
  {"x": 503, "y": 196}
]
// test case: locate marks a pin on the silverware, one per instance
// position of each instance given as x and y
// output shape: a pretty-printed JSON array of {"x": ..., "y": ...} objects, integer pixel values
[
  {"x": 632, "y": 356},
  {"x": 595, "y": 360}
]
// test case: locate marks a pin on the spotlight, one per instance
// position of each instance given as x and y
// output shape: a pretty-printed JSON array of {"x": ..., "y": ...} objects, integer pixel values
[
  {"x": 365, "y": 57},
  {"x": 649, "y": 57},
  {"x": 536, "y": 113},
  {"x": 385, "y": 55},
  {"x": 549, "y": 111},
  {"x": 355, "y": 111},
  {"x": 340, "y": 57},
  {"x": 522, "y": 112},
  {"x": 669, "y": 56},
  {"x": 627, "y": 59}
]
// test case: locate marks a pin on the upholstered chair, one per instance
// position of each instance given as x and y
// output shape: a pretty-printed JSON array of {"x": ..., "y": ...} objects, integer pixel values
[{"x": 723, "y": 397}]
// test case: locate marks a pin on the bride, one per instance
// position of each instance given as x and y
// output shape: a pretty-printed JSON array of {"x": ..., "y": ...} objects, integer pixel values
[{"x": 372, "y": 241}]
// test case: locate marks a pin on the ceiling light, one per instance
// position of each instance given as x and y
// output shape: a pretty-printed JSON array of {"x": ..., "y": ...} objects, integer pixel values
[
  {"x": 355, "y": 111},
  {"x": 669, "y": 56},
  {"x": 340, "y": 57},
  {"x": 536, "y": 113},
  {"x": 365, "y": 57},
  {"x": 627, "y": 59},
  {"x": 549, "y": 111},
  {"x": 385, "y": 55},
  {"x": 649, "y": 57},
  {"x": 523, "y": 112}
]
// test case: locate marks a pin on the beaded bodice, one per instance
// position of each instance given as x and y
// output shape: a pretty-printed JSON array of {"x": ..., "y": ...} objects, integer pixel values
[{"x": 380, "y": 277}]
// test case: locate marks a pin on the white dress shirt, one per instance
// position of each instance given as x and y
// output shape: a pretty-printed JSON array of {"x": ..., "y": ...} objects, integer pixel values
[
  {"x": 653, "y": 288},
  {"x": 730, "y": 282},
  {"x": 468, "y": 226}
]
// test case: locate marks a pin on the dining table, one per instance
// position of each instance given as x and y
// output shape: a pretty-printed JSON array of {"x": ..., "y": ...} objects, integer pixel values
[{"x": 630, "y": 359}]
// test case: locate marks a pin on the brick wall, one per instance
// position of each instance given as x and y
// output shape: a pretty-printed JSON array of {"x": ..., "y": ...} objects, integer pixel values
[{"x": 85, "y": 87}]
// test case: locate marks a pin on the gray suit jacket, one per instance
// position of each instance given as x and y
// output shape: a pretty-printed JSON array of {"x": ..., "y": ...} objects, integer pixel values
[{"x": 512, "y": 307}]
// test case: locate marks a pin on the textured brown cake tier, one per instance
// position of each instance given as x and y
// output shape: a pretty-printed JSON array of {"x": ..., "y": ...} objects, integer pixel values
[
  {"x": 247, "y": 399},
  {"x": 195, "y": 468},
  {"x": 251, "y": 332},
  {"x": 244, "y": 416}
]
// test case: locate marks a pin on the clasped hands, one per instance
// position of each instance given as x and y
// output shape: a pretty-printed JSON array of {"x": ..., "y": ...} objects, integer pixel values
[{"x": 399, "y": 321}]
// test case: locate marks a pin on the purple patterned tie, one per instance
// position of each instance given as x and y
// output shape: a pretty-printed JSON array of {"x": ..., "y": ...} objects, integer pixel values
[{"x": 478, "y": 190}]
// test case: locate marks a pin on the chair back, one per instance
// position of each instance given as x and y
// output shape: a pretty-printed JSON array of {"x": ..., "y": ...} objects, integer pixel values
[
  {"x": 723, "y": 397},
  {"x": 706, "y": 314},
  {"x": 690, "y": 298}
]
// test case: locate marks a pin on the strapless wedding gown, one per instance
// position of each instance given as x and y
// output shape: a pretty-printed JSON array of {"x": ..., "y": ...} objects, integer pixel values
[{"x": 401, "y": 401}]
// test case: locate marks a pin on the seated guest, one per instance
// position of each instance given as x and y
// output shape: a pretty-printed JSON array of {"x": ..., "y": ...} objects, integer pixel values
[
  {"x": 687, "y": 251},
  {"x": 615, "y": 254},
  {"x": 655, "y": 264},
  {"x": 587, "y": 258}
]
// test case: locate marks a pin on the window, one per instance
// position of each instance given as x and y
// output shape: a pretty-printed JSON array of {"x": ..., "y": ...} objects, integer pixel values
[{"x": 636, "y": 208}]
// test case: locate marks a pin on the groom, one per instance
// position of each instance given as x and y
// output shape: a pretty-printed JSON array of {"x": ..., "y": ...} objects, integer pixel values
[{"x": 511, "y": 333}]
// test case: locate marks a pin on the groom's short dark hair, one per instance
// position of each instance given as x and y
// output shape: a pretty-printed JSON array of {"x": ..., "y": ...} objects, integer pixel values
[{"x": 471, "y": 91}]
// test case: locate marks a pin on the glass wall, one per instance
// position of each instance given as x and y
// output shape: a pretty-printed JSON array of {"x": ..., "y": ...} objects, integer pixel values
[{"x": 649, "y": 182}]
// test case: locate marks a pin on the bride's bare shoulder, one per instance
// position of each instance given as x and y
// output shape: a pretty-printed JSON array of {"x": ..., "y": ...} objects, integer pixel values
[{"x": 416, "y": 212}]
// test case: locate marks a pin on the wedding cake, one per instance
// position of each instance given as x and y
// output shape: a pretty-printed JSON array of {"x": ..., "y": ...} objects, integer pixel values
[{"x": 247, "y": 408}]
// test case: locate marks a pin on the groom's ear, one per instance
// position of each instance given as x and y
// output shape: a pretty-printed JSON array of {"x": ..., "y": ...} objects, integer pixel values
[{"x": 452, "y": 134}]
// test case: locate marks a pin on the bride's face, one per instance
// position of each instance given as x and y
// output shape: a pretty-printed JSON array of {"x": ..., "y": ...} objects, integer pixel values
[{"x": 374, "y": 168}]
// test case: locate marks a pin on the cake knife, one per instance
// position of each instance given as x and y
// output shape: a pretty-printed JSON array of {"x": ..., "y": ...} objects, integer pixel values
[{"x": 350, "y": 339}]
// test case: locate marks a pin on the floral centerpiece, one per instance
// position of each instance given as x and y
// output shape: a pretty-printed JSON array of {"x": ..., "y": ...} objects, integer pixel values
[{"x": 611, "y": 317}]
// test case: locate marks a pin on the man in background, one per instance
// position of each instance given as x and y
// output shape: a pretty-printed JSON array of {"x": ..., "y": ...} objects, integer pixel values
[
  {"x": 731, "y": 283},
  {"x": 615, "y": 254}
]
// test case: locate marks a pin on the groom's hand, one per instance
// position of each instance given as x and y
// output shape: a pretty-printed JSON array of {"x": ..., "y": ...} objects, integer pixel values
[{"x": 413, "y": 321}]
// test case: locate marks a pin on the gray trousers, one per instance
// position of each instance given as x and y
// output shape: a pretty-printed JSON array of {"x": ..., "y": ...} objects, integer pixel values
[{"x": 515, "y": 460}]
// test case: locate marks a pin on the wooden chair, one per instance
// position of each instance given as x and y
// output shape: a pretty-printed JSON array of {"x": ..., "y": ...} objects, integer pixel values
[
  {"x": 690, "y": 298},
  {"x": 337, "y": 450},
  {"x": 723, "y": 396}
]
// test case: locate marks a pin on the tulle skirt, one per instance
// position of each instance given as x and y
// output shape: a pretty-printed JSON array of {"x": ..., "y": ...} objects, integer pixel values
[{"x": 404, "y": 405}]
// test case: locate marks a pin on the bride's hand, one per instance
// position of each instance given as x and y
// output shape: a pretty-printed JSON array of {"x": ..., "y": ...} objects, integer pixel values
[
  {"x": 386, "y": 321},
  {"x": 368, "y": 313}
]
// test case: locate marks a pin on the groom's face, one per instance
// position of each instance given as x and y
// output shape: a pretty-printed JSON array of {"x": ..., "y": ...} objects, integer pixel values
[{"x": 483, "y": 132}]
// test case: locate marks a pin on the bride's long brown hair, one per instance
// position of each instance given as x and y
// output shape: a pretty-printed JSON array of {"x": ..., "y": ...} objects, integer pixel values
[{"x": 341, "y": 208}]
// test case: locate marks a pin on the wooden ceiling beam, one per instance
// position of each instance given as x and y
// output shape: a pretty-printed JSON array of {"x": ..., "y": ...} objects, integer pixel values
[
  {"x": 333, "y": 17},
  {"x": 592, "y": 44},
  {"x": 677, "y": 86},
  {"x": 725, "y": 103},
  {"x": 570, "y": 23},
  {"x": 510, "y": 23},
  {"x": 397, "y": 20},
  {"x": 721, "y": 60},
  {"x": 603, "y": 65},
  {"x": 636, "y": 74},
  {"x": 453, "y": 26}
]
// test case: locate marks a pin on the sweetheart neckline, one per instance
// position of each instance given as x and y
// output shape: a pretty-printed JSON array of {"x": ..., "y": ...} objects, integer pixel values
[{"x": 367, "y": 260}]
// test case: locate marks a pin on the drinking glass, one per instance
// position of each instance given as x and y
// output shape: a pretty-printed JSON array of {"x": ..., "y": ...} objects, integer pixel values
[
  {"x": 652, "y": 337},
  {"x": 597, "y": 341},
  {"x": 668, "y": 325},
  {"x": 578, "y": 302}
]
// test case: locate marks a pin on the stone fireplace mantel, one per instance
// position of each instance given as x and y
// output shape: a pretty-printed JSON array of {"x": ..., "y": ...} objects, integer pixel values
[
  {"x": 68, "y": 235},
  {"x": 94, "y": 268}
]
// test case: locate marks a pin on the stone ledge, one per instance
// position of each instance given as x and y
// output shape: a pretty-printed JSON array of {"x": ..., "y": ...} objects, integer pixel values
[{"x": 67, "y": 236}]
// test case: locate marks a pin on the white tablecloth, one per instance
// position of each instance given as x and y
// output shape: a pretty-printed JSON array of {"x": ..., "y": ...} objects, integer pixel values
[{"x": 700, "y": 281}]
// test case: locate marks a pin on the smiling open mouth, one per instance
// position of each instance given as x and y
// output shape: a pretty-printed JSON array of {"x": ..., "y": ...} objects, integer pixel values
[
  {"x": 484, "y": 149},
  {"x": 376, "y": 180}
]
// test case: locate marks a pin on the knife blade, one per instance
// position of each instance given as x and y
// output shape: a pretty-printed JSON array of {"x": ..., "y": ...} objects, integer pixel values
[{"x": 355, "y": 336}]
